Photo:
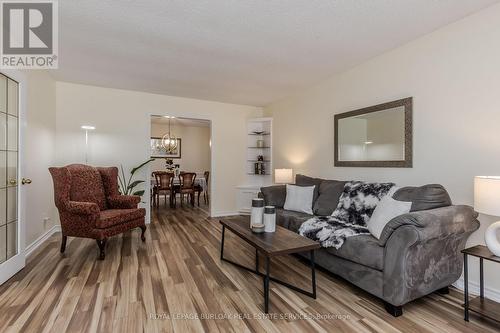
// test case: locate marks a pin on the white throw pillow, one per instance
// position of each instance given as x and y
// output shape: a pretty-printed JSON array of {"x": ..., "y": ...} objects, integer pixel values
[
  {"x": 386, "y": 210},
  {"x": 299, "y": 198}
]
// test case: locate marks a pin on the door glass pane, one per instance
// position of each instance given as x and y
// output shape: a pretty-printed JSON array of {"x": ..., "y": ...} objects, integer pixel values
[
  {"x": 3, "y": 93},
  {"x": 11, "y": 133},
  {"x": 8, "y": 167},
  {"x": 12, "y": 97},
  {"x": 11, "y": 204},
  {"x": 3, "y": 207},
  {"x": 3, "y": 243},
  {"x": 11, "y": 239},
  {"x": 3, "y": 169},
  {"x": 3, "y": 131}
]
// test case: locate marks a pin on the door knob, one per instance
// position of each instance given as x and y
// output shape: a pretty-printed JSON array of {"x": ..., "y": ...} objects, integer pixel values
[{"x": 26, "y": 181}]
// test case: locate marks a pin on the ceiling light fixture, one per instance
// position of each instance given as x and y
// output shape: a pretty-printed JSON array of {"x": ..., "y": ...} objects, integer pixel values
[{"x": 169, "y": 142}]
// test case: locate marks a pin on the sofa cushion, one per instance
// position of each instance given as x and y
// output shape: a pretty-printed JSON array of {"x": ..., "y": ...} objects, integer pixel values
[
  {"x": 424, "y": 197},
  {"x": 111, "y": 217},
  {"x": 363, "y": 250},
  {"x": 328, "y": 198},
  {"x": 301, "y": 180},
  {"x": 291, "y": 220},
  {"x": 274, "y": 195}
]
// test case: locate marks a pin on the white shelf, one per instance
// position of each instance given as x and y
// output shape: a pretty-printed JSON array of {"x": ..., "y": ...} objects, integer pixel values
[{"x": 253, "y": 182}]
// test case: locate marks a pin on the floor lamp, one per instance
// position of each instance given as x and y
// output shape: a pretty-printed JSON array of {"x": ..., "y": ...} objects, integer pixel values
[{"x": 87, "y": 128}]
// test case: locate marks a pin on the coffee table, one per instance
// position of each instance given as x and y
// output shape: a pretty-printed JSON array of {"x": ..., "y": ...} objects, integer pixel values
[{"x": 280, "y": 242}]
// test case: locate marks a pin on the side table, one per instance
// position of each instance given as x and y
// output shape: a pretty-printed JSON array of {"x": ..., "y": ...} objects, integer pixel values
[{"x": 479, "y": 305}]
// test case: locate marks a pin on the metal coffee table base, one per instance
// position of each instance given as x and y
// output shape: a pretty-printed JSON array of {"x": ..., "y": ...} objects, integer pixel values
[{"x": 267, "y": 278}]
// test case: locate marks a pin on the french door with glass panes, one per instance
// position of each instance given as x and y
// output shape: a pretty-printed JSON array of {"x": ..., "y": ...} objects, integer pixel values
[{"x": 11, "y": 260}]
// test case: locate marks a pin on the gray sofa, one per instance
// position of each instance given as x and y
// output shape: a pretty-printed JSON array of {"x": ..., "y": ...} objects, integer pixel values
[{"x": 417, "y": 254}]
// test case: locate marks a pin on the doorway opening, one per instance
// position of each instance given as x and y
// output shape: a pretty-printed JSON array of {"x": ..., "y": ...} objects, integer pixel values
[{"x": 181, "y": 170}]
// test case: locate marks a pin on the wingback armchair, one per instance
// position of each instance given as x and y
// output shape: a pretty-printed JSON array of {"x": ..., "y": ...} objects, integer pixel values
[{"x": 91, "y": 206}]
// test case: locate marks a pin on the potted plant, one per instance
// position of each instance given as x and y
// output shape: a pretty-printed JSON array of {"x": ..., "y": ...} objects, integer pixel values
[{"x": 127, "y": 186}]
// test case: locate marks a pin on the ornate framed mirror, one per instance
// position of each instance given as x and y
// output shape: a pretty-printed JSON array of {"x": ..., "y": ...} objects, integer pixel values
[{"x": 376, "y": 136}]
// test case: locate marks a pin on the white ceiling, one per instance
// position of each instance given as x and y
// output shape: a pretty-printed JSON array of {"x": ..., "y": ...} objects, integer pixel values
[
  {"x": 245, "y": 52},
  {"x": 181, "y": 121}
]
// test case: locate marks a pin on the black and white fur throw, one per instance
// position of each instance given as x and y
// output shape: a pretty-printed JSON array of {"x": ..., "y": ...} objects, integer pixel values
[{"x": 356, "y": 206}]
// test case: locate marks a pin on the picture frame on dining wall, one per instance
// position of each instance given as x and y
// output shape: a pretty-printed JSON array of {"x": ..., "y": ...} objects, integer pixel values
[{"x": 157, "y": 151}]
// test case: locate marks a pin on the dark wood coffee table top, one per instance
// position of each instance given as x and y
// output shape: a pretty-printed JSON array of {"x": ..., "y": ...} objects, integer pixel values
[{"x": 282, "y": 241}]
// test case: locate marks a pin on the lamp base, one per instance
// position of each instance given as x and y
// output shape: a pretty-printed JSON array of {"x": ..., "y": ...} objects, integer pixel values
[{"x": 491, "y": 239}]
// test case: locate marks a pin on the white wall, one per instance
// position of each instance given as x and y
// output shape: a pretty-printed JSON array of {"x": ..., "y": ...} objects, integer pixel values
[
  {"x": 453, "y": 75},
  {"x": 195, "y": 148},
  {"x": 39, "y": 138},
  {"x": 122, "y": 120}
]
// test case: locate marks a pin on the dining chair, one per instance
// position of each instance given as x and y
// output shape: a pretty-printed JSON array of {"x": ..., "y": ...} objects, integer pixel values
[
  {"x": 164, "y": 186},
  {"x": 186, "y": 180},
  {"x": 199, "y": 189}
]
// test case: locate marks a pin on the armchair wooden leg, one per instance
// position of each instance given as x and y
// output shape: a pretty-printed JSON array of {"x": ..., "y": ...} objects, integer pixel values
[
  {"x": 143, "y": 228},
  {"x": 102, "y": 246},
  {"x": 63, "y": 243},
  {"x": 199, "y": 197}
]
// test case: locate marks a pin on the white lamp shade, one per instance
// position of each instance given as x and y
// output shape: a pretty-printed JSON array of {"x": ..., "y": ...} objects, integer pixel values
[
  {"x": 487, "y": 195},
  {"x": 283, "y": 176}
]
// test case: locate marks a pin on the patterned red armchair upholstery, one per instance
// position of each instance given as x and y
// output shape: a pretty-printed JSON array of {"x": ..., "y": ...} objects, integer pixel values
[{"x": 90, "y": 205}]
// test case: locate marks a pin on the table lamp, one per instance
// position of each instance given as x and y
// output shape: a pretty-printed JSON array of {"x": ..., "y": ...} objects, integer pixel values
[
  {"x": 283, "y": 176},
  {"x": 487, "y": 201}
]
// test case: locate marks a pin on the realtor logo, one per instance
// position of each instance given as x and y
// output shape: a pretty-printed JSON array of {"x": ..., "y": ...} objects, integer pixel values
[{"x": 29, "y": 35}]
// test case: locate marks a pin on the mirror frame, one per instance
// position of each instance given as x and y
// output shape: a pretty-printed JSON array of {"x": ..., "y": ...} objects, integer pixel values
[{"x": 408, "y": 110}]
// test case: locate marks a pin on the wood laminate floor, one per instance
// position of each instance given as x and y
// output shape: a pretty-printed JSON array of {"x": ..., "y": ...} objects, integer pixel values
[{"x": 175, "y": 282}]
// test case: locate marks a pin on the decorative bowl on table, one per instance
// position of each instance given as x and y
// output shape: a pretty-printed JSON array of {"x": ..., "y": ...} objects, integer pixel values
[{"x": 257, "y": 228}]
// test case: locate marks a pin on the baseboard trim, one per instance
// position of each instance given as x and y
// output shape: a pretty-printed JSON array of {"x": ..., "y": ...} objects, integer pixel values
[
  {"x": 489, "y": 293},
  {"x": 222, "y": 214},
  {"x": 39, "y": 241}
]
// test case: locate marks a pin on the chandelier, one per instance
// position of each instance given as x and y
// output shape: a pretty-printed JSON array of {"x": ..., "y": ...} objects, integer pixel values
[{"x": 169, "y": 142}]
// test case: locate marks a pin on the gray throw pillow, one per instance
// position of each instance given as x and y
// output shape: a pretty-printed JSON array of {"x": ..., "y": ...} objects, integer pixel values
[
  {"x": 424, "y": 197},
  {"x": 274, "y": 195},
  {"x": 301, "y": 180},
  {"x": 328, "y": 199}
]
